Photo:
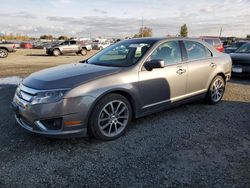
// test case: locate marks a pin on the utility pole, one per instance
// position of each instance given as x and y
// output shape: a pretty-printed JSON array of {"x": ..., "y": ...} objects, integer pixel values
[{"x": 221, "y": 31}]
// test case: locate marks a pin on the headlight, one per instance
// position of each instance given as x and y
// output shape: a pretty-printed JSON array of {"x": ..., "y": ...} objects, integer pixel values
[{"x": 48, "y": 96}]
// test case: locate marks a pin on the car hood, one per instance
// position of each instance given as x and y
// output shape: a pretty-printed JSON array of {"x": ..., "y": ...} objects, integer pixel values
[
  {"x": 242, "y": 58},
  {"x": 67, "y": 76}
]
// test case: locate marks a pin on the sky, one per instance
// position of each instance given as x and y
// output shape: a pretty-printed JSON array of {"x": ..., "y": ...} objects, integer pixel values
[{"x": 121, "y": 18}]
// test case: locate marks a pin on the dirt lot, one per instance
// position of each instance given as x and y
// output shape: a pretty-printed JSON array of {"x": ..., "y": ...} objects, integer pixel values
[
  {"x": 24, "y": 62},
  {"x": 194, "y": 145}
]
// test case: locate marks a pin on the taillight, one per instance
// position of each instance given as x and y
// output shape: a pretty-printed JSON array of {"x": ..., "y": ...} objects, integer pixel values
[{"x": 14, "y": 46}]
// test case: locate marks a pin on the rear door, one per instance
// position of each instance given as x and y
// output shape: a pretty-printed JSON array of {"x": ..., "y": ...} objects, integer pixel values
[
  {"x": 162, "y": 86},
  {"x": 200, "y": 66}
]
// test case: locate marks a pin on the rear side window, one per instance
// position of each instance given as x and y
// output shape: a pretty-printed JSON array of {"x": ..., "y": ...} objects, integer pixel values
[
  {"x": 72, "y": 42},
  {"x": 196, "y": 50},
  {"x": 169, "y": 52}
]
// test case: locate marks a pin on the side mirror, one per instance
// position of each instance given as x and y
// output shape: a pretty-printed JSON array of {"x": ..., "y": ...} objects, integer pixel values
[{"x": 154, "y": 64}]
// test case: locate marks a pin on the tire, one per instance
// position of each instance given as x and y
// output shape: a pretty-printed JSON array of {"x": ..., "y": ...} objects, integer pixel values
[
  {"x": 216, "y": 90},
  {"x": 107, "y": 122},
  {"x": 56, "y": 52},
  {"x": 83, "y": 52},
  {"x": 3, "y": 53}
]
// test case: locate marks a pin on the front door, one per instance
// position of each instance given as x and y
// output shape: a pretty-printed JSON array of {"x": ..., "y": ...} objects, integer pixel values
[{"x": 164, "y": 85}]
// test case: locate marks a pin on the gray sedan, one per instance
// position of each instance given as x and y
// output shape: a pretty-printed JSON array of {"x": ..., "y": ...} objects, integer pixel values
[{"x": 130, "y": 79}]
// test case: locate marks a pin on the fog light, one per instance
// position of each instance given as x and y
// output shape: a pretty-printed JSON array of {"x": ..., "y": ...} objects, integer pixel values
[{"x": 52, "y": 124}]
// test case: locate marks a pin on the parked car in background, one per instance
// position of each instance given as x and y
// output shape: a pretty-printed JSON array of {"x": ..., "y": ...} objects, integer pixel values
[
  {"x": 69, "y": 46},
  {"x": 214, "y": 41},
  {"x": 241, "y": 61},
  {"x": 234, "y": 46},
  {"x": 130, "y": 79},
  {"x": 100, "y": 45},
  {"x": 6, "y": 48}
]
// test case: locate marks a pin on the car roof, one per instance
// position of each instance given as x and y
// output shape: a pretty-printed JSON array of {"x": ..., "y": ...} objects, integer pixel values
[{"x": 157, "y": 39}]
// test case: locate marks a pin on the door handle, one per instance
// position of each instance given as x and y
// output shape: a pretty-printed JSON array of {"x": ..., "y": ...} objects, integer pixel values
[
  {"x": 181, "y": 71},
  {"x": 212, "y": 64}
]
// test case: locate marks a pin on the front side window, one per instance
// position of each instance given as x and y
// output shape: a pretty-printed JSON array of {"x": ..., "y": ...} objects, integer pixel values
[
  {"x": 169, "y": 52},
  {"x": 65, "y": 43},
  {"x": 122, "y": 54},
  {"x": 196, "y": 50}
]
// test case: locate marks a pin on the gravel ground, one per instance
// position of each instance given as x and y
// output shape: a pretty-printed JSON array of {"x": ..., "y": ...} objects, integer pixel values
[{"x": 194, "y": 145}]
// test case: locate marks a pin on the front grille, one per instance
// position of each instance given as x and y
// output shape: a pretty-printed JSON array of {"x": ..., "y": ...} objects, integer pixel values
[
  {"x": 25, "y": 93},
  {"x": 241, "y": 63}
]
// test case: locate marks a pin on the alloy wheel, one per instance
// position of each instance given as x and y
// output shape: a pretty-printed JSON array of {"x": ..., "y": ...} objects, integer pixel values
[
  {"x": 217, "y": 90},
  {"x": 3, "y": 53},
  {"x": 113, "y": 118}
]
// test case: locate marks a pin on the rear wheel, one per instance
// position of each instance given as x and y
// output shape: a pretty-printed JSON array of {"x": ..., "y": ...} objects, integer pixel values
[
  {"x": 216, "y": 90},
  {"x": 110, "y": 117},
  {"x": 3, "y": 53},
  {"x": 56, "y": 52},
  {"x": 83, "y": 52}
]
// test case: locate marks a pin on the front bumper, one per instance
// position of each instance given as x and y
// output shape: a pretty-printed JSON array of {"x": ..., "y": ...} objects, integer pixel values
[
  {"x": 66, "y": 117},
  {"x": 239, "y": 70},
  {"x": 38, "y": 127}
]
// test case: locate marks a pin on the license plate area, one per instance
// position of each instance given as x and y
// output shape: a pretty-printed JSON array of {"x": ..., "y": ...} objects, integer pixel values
[{"x": 237, "y": 69}]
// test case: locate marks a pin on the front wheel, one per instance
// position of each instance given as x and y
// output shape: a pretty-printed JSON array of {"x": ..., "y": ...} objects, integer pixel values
[
  {"x": 83, "y": 52},
  {"x": 3, "y": 53},
  {"x": 110, "y": 117},
  {"x": 216, "y": 90},
  {"x": 56, "y": 52}
]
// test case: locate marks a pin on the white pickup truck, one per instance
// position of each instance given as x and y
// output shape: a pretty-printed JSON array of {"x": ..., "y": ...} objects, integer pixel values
[{"x": 6, "y": 48}]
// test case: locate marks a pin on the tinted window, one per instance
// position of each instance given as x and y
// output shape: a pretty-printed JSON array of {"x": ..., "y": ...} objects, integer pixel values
[
  {"x": 169, "y": 52},
  {"x": 244, "y": 49},
  {"x": 72, "y": 42},
  {"x": 65, "y": 43},
  {"x": 196, "y": 50}
]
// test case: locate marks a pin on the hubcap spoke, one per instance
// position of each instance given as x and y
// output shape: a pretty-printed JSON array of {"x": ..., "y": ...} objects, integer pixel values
[
  {"x": 122, "y": 110},
  {"x": 118, "y": 106},
  {"x": 105, "y": 126},
  {"x": 104, "y": 119}
]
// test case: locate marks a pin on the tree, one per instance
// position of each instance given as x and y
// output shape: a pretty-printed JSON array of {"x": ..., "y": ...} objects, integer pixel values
[
  {"x": 47, "y": 37},
  {"x": 184, "y": 31},
  {"x": 63, "y": 38},
  {"x": 144, "y": 32}
]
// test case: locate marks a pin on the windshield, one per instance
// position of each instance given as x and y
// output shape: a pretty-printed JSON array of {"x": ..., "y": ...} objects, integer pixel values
[
  {"x": 122, "y": 54},
  {"x": 244, "y": 49},
  {"x": 238, "y": 44}
]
